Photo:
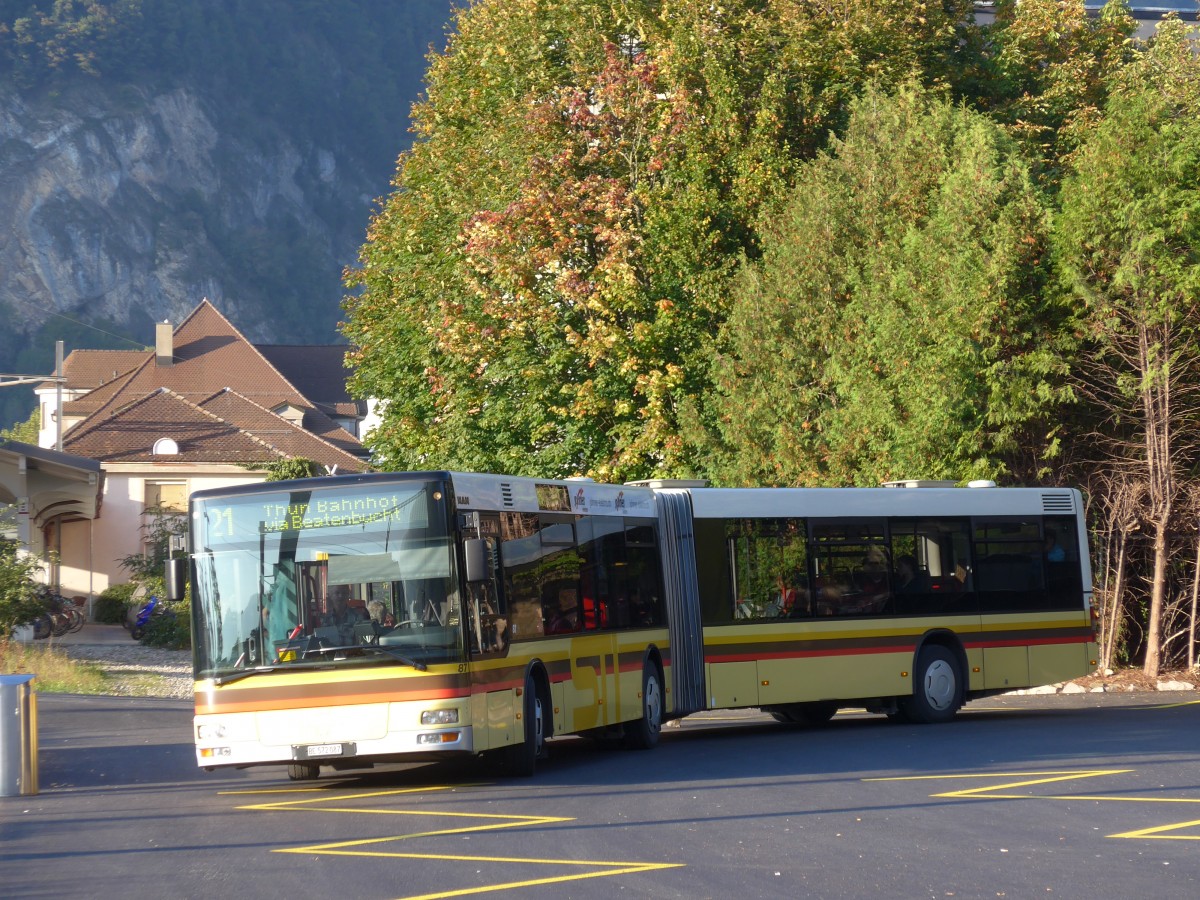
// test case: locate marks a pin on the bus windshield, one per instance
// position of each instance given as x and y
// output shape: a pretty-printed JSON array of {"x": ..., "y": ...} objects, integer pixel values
[{"x": 349, "y": 575}]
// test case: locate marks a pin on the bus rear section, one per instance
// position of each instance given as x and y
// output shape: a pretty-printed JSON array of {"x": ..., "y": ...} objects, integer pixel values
[{"x": 908, "y": 601}]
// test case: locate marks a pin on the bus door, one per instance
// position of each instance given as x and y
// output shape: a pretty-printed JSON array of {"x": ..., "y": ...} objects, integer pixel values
[
  {"x": 601, "y": 596},
  {"x": 591, "y": 693},
  {"x": 493, "y": 703}
]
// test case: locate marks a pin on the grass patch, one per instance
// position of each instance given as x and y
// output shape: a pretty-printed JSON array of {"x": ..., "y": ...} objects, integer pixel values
[{"x": 56, "y": 672}]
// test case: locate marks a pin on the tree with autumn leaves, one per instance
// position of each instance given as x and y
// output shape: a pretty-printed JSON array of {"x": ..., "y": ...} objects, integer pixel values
[
  {"x": 542, "y": 291},
  {"x": 759, "y": 242}
]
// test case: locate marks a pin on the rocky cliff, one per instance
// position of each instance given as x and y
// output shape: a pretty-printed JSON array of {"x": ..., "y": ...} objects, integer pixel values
[{"x": 129, "y": 208}]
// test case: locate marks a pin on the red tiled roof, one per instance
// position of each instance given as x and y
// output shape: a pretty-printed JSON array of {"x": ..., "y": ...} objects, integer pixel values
[
  {"x": 211, "y": 357},
  {"x": 319, "y": 373},
  {"x": 203, "y": 435},
  {"x": 129, "y": 434},
  {"x": 288, "y": 439},
  {"x": 88, "y": 369}
]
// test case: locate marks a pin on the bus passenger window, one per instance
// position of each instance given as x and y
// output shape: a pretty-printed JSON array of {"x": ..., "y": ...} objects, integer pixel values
[
  {"x": 768, "y": 567},
  {"x": 852, "y": 566},
  {"x": 931, "y": 570}
]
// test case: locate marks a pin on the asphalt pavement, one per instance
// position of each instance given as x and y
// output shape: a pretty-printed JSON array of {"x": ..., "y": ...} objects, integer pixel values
[{"x": 1060, "y": 796}]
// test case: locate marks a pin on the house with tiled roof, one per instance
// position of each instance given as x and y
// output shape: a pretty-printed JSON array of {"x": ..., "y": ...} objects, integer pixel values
[{"x": 205, "y": 408}]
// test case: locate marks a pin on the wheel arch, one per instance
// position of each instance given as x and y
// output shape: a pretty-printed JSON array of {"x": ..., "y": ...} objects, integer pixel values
[
  {"x": 944, "y": 637},
  {"x": 537, "y": 672},
  {"x": 654, "y": 655}
]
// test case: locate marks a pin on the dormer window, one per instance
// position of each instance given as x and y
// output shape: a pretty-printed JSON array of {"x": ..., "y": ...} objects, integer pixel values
[
  {"x": 165, "y": 447},
  {"x": 293, "y": 414}
]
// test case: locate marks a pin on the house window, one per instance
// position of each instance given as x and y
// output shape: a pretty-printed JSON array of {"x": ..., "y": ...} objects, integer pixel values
[{"x": 167, "y": 496}]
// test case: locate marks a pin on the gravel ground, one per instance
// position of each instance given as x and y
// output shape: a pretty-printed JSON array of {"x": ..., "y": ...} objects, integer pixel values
[{"x": 140, "y": 671}]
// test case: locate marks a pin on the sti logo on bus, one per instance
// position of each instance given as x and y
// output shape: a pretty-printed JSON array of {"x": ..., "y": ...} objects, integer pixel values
[
  {"x": 621, "y": 500},
  {"x": 580, "y": 500}
]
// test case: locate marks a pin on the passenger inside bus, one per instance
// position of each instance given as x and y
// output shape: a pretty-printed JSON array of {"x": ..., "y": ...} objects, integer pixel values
[
  {"x": 342, "y": 615},
  {"x": 785, "y": 597},
  {"x": 563, "y": 616},
  {"x": 910, "y": 577},
  {"x": 377, "y": 613}
]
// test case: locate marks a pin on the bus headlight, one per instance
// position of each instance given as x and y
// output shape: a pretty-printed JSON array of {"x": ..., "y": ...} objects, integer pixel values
[
  {"x": 210, "y": 732},
  {"x": 439, "y": 717}
]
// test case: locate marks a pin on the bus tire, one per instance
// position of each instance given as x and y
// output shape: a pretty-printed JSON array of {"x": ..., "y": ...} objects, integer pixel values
[
  {"x": 937, "y": 687},
  {"x": 521, "y": 759},
  {"x": 812, "y": 714},
  {"x": 643, "y": 734},
  {"x": 304, "y": 771}
]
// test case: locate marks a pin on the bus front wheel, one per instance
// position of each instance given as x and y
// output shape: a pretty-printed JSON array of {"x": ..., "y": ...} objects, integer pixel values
[
  {"x": 937, "y": 687},
  {"x": 521, "y": 759},
  {"x": 304, "y": 771},
  {"x": 643, "y": 734}
]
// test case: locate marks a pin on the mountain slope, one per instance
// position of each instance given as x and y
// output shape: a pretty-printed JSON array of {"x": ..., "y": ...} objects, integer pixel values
[{"x": 192, "y": 149}]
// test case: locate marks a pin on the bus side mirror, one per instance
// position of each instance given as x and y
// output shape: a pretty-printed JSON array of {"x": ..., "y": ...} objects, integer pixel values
[
  {"x": 478, "y": 559},
  {"x": 176, "y": 578}
]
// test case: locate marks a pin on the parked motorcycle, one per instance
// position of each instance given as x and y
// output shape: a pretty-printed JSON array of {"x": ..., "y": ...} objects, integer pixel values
[{"x": 153, "y": 607}]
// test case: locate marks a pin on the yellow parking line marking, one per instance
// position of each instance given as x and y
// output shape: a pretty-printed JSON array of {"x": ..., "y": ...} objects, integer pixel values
[
  {"x": 1160, "y": 835},
  {"x": 1029, "y": 779},
  {"x": 1177, "y": 705},
  {"x": 330, "y": 801},
  {"x": 514, "y": 885}
]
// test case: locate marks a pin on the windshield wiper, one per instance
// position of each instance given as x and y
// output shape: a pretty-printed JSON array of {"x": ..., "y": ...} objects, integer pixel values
[
  {"x": 244, "y": 673},
  {"x": 373, "y": 648}
]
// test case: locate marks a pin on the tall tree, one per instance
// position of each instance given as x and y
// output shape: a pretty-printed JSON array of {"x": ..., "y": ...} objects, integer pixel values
[
  {"x": 1128, "y": 243},
  {"x": 1048, "y": 64},
  {"x": 894, "y": 326},
  {"x": 540, "y": 292}
]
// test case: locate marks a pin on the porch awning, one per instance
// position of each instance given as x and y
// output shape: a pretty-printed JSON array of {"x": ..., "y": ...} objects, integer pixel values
[{"x": 46, "y": 485}]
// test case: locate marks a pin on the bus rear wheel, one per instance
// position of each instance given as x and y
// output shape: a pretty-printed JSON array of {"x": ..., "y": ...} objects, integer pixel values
[
  {"x": 812, "y": 714},
  {"x": 643, "y": 734},
  {"x": 937, "y": 687}
]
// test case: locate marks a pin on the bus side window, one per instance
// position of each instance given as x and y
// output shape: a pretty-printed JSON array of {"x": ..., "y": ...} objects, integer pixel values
[
  {"x": 1009, "y": 568},
  {"x": 768, "y": 565},
  {"x": 1064, "y": 576},
  {"x": 932, "y": 567}
]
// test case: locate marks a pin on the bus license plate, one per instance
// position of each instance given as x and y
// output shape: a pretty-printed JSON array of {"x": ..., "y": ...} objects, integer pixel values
[{"x": 315, "y": 751}]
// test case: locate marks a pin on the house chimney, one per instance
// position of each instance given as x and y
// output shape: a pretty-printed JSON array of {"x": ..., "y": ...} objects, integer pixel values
[{"x": 164, "y": 348}]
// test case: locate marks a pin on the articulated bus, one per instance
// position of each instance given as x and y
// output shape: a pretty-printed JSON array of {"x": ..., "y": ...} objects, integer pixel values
[{"x": 353, "y": 620}]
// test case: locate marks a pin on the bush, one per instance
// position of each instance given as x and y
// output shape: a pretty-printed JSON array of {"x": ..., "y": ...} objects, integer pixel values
[
  {"x": 18, "y": 601},
  {"x": 112, "y": 605},
  {"x": 172, "y": 629}
]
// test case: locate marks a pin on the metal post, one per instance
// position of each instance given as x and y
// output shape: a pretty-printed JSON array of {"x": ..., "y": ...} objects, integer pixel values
[{"x": 18, "y": 736}]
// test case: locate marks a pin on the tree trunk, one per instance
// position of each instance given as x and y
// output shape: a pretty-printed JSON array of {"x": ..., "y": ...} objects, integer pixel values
[
  {"x": 1191, "y": 642},
  {"x": 1111, "y": 633},
  {"x": 1157, "y": 592}
]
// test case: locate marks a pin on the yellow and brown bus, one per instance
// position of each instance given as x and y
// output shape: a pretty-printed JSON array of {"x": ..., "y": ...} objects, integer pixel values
[{"x": 352, "y": 620}]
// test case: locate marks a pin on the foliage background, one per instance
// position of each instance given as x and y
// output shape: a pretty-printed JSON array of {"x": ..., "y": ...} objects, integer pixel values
[{"x": 778, "y": 243}]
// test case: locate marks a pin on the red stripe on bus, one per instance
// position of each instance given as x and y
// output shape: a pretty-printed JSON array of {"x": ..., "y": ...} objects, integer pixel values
[
  {"x": 808, "y": 654},
  {"x": 1029, "y": 642}
]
